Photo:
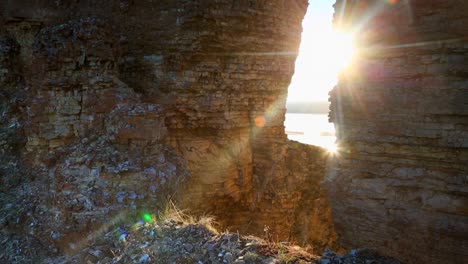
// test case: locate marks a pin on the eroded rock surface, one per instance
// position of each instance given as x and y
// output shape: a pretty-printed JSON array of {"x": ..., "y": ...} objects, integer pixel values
[{"x": 401, "y": 114}]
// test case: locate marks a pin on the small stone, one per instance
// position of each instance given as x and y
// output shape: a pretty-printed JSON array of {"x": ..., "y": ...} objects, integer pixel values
[
  {"x": 228, "y": 257},
  {"x": 150, "y": 171},
  {"x": 54, "y": 235},
  {"x": 145, "y": 258},
  {"x": 270, "y": 260},
  {"x": 209, "y": 246},
  {"x": 97, "y": 253},
  {"x": 132, "y": 195},
  {"x": 153, "y": 188},
  {"x": 188, "y": 247},
  {"x": 121, "y": 196}
]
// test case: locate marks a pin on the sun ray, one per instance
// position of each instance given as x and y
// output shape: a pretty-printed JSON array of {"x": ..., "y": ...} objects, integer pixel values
[{"x": 416, "y": 44}]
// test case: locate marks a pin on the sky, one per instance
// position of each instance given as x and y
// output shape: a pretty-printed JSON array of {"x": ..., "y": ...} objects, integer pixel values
[{"x": 322, "y": 53}]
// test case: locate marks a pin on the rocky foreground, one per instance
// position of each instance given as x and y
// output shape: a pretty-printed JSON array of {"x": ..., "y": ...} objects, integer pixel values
[{"x": 176, "y": 240}]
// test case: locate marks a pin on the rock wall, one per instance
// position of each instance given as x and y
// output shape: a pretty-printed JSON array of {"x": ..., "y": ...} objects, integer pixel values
[
  {"x": 10, "y": 136},
  {"x": 401, "y": 115},
  {"x": 113, "y": 107}
]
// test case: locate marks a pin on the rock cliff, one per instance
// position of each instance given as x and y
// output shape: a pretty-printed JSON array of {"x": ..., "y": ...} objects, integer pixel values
[{"x": 401, "y": 115}]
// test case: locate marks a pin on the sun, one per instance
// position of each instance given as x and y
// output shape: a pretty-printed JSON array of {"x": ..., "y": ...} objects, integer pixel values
[
  {"x": 332, "y": 149},
  {"x": 328, "y": 50},
  {"x": 322, "y": 56}
]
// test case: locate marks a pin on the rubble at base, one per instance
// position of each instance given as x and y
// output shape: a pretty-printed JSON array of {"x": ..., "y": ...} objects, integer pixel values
[{"x": 176, "y": 241}]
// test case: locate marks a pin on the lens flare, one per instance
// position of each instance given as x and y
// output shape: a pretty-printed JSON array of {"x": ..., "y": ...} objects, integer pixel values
[
  {"x": 147, "y": 217},
  {"x": 344, "y": 50},
  {"x": 260, "y": 121},
  {"x": 332, "y": 149}
]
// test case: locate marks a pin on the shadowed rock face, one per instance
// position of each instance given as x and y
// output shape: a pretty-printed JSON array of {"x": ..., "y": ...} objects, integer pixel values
[
  {"x": 11, "y": 140},
  {"x": 119, "y": 106},
  {"x": 401, "y": 114}
]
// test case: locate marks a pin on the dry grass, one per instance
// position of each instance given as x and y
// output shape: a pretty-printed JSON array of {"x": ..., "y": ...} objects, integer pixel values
[{"x": 171, "y": 211}]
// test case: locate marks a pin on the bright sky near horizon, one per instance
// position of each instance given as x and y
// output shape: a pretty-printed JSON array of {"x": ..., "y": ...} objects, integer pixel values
[{"x": 322, "y": 53}]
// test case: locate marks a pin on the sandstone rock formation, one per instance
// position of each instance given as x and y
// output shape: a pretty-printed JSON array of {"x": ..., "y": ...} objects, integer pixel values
[{"x": 401, "y": 115}]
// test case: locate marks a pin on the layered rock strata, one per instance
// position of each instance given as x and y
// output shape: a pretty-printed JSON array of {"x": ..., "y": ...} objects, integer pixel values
[{"x": 401, "y": 113}]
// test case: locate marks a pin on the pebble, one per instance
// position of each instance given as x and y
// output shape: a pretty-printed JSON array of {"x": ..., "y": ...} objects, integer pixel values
[
  {"x": 121, "y": 196},
  {"x": 153, "y": 188},
  {"x": 97, "y": 253},
  {"x": 132, "y": 195},
  {"x": 54, "y": 235},
  {"x": 228, "y": 257},
  {"x": 188, "y": 247},
  {"x": 145, "y": 258}
]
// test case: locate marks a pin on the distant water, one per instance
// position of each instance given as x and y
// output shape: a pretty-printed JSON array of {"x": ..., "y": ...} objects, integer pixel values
[{"x": 312, "y": 129}]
